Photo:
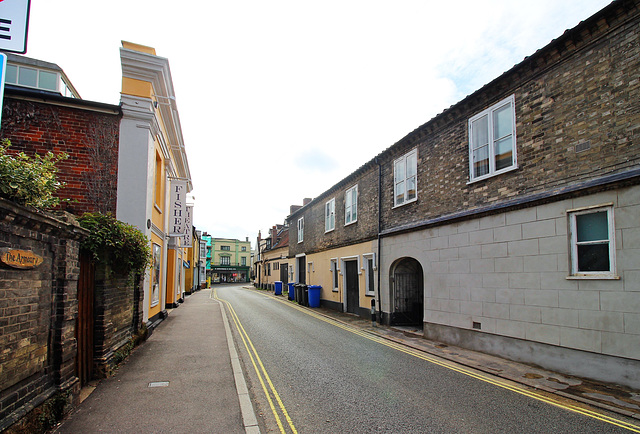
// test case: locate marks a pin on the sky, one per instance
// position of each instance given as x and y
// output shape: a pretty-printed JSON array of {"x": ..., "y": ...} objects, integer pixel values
[{"x": 280, "y": 100}]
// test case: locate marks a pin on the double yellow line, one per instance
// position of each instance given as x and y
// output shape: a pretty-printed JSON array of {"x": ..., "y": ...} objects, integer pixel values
[
  {"x": 267, "y": 386},
  {"x": 423, "y": 356}
]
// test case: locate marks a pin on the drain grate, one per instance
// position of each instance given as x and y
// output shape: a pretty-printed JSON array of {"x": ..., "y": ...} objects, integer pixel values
[{"x": 159, "y": 384}]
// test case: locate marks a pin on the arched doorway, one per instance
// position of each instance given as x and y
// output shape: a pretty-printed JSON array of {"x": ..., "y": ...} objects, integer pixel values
[{"x": 407, "y": 292}]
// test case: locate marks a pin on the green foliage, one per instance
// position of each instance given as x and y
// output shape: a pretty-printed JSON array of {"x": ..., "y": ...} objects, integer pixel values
[
  {"x": 119, "y": 245},
  {"x": 29, "y": 181}
]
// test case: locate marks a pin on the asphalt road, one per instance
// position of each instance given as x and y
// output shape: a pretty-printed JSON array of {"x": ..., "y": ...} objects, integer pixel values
[{"x": 311, "y": 375}]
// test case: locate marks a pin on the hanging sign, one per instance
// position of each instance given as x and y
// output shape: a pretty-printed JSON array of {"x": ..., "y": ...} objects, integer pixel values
[
  {"x": 177, "y": 218},
  {"x": 14, "y": 25},
  {"x": 188, "y": 227},
  {"x": 23, "y": 259}
]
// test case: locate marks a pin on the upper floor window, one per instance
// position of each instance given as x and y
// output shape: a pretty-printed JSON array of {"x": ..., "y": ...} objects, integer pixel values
[
  {"x": 351, "y": 205},
  {"x": 225, "y": 248},
  {"x": 330, "y": 215},
  {"x": 243, "y": 261},
  {"x": 592, "y": 242},
  {"x": 405, "y": 186},
  {"x": 225, "y": 260},
  {"x": 37, "y": 79},
  {"x": 492, "y": 140},
  {"x": 301, "y": 229},
  {"x": 244, "y": 248}
]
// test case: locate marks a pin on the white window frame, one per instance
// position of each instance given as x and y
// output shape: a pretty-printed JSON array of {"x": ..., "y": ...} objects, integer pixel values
[
  {"x": 397, "y": 182},
  {"x": 491, "y": 145},
  {"x": 330, "y": 215},
  {"x": 365, "y": 267},
  {"x": 300, "y": 230},
  {"x": 351, "y": 210},
  {"x": 574, "y": 243},
  {"x": 335, "y": 270}
]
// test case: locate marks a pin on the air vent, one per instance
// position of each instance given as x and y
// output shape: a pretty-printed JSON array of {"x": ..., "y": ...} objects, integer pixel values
[
  {"x": 477, "y": 325},
  {"x": 580, "y": 147}
]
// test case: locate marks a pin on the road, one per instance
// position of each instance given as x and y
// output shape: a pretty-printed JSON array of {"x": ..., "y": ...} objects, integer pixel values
[{"x": 310, "y": 374}]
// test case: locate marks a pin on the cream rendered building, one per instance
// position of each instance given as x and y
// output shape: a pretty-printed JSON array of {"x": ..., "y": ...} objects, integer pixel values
[{"x": 152, "y": 153}]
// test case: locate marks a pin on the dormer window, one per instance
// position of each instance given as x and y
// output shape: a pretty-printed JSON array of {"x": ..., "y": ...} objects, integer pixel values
[{"x": 35, "y": 78}]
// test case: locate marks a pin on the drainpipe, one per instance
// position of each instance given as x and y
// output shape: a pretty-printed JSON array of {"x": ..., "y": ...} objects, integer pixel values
[{"x": 377, "y": 161}]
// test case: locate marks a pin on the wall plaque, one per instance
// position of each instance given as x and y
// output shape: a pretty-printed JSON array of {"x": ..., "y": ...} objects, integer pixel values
[{"x": 23, "y": 259}]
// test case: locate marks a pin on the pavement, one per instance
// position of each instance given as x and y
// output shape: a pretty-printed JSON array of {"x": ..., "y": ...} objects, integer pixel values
[{"x": 187, "y": 377}]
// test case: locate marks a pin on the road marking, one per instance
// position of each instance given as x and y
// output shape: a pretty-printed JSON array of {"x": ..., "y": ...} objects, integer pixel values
[
  {"x": 451, "y": 366},
  {"x": 261, "y": 371}
]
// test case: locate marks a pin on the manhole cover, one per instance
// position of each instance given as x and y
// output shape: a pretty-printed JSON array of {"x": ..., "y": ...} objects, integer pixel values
[{"x": 159, "y": 384}]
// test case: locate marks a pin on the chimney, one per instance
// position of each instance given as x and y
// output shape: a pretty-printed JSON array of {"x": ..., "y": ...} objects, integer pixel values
[
  {"x": 247, "y": 240},
  {"x": 294, "y": 208},
  {"x": 306, "y": 201},
  {"x": 259, "y": 237}
]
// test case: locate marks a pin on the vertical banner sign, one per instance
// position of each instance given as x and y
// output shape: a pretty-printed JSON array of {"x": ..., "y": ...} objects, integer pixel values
[
  {"x": 178, "y": 212},
  {"x": 188, "y": 227},
  {"x": 14, "y": 25}
]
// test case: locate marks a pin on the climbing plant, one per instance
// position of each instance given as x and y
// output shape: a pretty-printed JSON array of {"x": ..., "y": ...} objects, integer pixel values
[
  {"x": 28, "y": 180},
  {"x": 119, "y": 245}
]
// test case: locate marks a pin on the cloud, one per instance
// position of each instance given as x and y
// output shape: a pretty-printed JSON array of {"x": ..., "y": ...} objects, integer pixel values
[{"x": 315, "y": 160}]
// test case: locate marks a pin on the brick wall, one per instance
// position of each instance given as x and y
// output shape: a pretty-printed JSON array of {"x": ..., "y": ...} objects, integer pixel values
[
  {"x": 365, "y": 228},
  {"x": 89, "y": 137},
  {"x": 38, "y": 310},
  {"x": 577, "y": 107}
]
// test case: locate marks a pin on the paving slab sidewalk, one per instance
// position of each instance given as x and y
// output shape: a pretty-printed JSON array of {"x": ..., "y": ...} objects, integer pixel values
[{"x": 181, "y": 380}]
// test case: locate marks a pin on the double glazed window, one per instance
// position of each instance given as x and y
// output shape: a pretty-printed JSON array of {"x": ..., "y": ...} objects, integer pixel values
[
  {"x": 330, "y": 215},
  {"x": 405, "y": 186},
  {"x": 301, "y": 229},
  {"x": 592, "y": 242},
  {"x": 492, "y": 140},
  {"x": 351, "y": 205}
]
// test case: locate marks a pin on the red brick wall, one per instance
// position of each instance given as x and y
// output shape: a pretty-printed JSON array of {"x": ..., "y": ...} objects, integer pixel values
[{"x": 90, "y": 139}]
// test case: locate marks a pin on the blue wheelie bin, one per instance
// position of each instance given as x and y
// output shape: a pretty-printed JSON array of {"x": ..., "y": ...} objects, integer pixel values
[
  {"x": 292, "y": 291},
  {"x": 278, "y": 287},
  {"x": 314, "y": 295}
]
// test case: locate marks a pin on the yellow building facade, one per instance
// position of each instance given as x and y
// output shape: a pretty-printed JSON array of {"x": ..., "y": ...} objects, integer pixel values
[{"x": 152, "y": 156}]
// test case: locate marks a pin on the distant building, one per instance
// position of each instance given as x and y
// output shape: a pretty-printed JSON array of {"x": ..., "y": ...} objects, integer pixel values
[{"x": 230, "y": 260}]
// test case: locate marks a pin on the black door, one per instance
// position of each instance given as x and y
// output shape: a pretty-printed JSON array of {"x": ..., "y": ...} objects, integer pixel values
[
  {"x": 284, "y": 273},
  {"x": 302, "y": 270},
  {"x": 353, "y": 293},
  {"x": 407, "y": 293}
]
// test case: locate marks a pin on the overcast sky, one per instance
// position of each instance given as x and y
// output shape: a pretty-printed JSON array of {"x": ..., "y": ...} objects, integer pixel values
[{"x": 279, "y": 100}]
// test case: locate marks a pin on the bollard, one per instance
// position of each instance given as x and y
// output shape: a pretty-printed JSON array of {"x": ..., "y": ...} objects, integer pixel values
[{"x": 373, "y": 313}]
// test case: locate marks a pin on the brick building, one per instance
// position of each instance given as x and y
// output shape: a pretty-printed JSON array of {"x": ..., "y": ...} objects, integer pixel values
[
  {"x": 48, "y": 115},
  {"x": 508, "y": 223}
]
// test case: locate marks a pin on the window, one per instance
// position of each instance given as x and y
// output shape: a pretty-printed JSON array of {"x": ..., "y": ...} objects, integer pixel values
[
  {"x": 243, "y": 261},
  {"x": 225, "y": 260},
  {"x": 351, "y": 205},
  {"x": 369, "y": 268},
  {"x": 269, "y": 269},
  {"x": 158, "y": 182},
  {"x": 227, "y": 248},
  {"x": 405, "y": 188},
  {"x": 301, "y": 229},
  {"x": 334, "y": 271},
  {"x": 492, "y": 140},
  {"x": 155, "y": 275},
  {"x": 244, "y": 248},
  {"x": 592, "y": 242},
  {"x": 330, "y": 215}
]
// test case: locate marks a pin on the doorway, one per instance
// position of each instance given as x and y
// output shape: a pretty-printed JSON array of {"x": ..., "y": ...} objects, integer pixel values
[
  {"x": 352, "y": 295},
  {"x": 85, "y": 321},
  {"x": 302, "y": 269},
  {"x": 407, "y": 287}
]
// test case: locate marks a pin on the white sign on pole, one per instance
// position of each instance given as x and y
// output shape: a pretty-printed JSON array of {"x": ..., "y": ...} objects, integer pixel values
[
  {"x": 3, "y": 65},
  {"x": 177, "y": 218},
  {"x": 14, "y": 25}
]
